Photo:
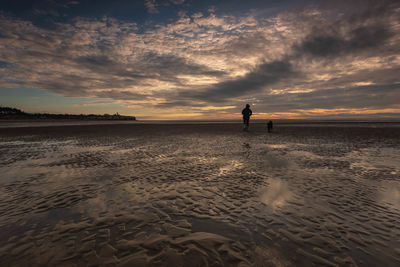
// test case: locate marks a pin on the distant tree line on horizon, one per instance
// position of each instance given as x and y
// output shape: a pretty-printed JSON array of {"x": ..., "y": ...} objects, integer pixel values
[{"x": 16, "y": 114}]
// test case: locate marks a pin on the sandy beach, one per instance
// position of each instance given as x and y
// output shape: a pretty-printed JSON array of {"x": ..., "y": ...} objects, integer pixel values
[{"x": 200, "y": 195}]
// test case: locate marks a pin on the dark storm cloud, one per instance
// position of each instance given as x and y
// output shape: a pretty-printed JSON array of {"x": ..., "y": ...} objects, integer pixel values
[
  {"x": 325, "y": 44},
  {"x": 388, "y": 75},
  {"x": 172, "y": 66},
  {"x": 128, "y": 95},
  {"x": 379, "y": 97},
  {"x": 96, "y": 60},
  {"x": 102, "y": 64},
  {"x": 262, "y": 75},
  {"x": 66, "y": 85},
  {"x": 362, "y": 31},
  {"x": 151, "y": 66},
  {"x": 177, "y": 103}
]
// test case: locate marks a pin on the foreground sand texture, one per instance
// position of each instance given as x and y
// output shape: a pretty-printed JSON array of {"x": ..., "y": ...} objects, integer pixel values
[{"x": 200, "y": 195}]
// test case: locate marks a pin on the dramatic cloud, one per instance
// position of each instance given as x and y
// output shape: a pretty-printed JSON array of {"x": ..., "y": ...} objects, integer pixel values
[
  {"x": 263, "y": 75},
  {"x": 366, "y": 31},
  {"x": 313, "y": 58}
]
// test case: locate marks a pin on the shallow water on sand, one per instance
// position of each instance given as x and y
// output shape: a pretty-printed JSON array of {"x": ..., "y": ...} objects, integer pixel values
[{"x": 187, "y": 195}]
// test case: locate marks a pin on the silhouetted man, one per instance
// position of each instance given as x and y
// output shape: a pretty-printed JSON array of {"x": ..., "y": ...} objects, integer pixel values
[{"x": 246, "y": 112}]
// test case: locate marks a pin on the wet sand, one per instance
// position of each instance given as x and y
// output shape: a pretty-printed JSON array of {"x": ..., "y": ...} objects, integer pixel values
[{"x": 200, "y": 195}]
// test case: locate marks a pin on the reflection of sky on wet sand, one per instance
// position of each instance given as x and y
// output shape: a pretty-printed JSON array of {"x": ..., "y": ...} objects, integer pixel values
[
  {"x": 230, "y": 167},
  {"x": 376, "y": 158},
  {"x": 134, "y": 188},
  {"x": 278, "y": 146},
  {"x": 47, "y": 163},
  {"x": 303, "y": 154},
  {"x": 390, "y": 194},
  {"x": 265, "y": 157},
  {"x": 28, "y": 166},
  {"x": 276, "y": 194},
  {"x": 105, "y": 202}
]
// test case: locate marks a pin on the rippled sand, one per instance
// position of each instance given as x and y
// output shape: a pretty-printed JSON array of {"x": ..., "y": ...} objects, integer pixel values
[{"x": 200, "y": 195}]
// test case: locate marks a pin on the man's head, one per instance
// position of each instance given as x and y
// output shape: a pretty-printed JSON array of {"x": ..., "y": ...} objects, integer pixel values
[{"x": 247, "y": 105}]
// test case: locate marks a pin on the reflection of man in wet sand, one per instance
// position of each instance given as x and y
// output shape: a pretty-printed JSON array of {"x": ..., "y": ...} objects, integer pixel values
[
  {"x": 269, "y": 126},
  {"x": 246, "y": 112}
]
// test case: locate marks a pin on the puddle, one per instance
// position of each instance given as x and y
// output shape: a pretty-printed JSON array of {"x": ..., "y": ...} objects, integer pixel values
[
  {"x": 276, "y": 194},
  {"x": 376, "y": 158},
  {"x": 390, "y": 194}
]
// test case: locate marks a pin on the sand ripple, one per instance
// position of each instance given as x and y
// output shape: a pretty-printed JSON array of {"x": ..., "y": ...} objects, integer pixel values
[{"x": 291, "y": 198}]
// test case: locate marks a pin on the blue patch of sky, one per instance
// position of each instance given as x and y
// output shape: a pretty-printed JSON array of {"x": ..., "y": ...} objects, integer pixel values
[
  {"x": 4, "y": 64},
  {"x": 48, "y": 13}
]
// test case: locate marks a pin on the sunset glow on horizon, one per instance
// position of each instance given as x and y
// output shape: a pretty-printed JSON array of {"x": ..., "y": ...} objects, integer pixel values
[{"x": 182, "y": 59}]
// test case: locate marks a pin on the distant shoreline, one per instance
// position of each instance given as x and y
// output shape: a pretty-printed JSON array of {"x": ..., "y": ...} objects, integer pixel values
[
  {"x": 172, "y": 124},
  {"x": 62, "y": 120},
  {"x": 255, "y": 121},
  {"x": 14, "y": 114},
  {"x": 59, "y": 123}
]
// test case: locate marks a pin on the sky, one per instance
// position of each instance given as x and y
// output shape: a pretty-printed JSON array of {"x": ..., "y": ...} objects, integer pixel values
[{"x": 187, "y": 59}]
